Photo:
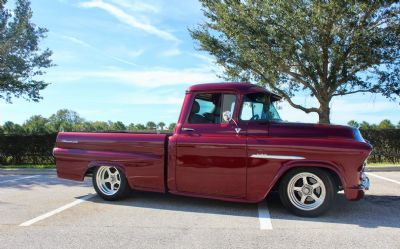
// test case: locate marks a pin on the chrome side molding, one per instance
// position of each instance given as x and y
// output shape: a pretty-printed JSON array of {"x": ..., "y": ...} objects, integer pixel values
[
  {"x": 282, "y": 157},
  {"x": 69, "y": 141}
]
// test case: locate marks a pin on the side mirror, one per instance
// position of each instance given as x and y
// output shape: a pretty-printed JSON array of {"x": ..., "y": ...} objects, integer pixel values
[{"x": 227, "y": 116}]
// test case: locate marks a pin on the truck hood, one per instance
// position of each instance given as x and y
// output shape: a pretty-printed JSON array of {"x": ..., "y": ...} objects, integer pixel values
[{"x": 291, "y": 129}]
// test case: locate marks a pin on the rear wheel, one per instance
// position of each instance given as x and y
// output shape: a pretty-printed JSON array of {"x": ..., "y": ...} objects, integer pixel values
[
  {"x": 307, "y": 192},
  {"x": 110, "y": 183}
]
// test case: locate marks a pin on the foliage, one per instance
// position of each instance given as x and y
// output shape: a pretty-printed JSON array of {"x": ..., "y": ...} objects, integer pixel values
[
  {"x": 150, "y": 125},
  {"x": 384, "y": 124},
  {"x": 23, "y": 149},
  {"x": 323, "y": 48},
  {"x": 21, "y": 59},
  {"x": 386, "y": 143}
]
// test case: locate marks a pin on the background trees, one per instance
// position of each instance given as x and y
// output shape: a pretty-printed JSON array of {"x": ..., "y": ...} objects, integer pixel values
[
  {"x": 68, "y": 120},
  {"x": 320, "y": 48},
  {"x": 21, "y": 59}
]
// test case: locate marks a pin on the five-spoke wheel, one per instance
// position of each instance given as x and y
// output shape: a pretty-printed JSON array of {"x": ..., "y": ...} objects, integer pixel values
[
  {"x": 110, "y": 183},
  {"x": 307, "y": 192}
]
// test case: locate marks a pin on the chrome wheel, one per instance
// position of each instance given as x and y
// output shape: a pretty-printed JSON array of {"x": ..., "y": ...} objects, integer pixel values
[
  {"x": 108, "y": 180},
  {"x": 306, "y": 191}
]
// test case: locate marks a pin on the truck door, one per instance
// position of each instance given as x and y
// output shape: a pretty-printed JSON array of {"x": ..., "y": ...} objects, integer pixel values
[{"x": 211, "y": 153}]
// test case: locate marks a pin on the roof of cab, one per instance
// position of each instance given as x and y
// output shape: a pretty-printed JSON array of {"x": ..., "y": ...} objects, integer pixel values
[{"x": 243, "y": 87}]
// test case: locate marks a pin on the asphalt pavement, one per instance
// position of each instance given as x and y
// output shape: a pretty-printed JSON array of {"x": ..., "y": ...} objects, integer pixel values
[{"x": 42, "y": 211}]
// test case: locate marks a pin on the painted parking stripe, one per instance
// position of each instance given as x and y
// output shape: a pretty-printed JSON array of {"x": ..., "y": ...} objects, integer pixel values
[
  {"x": 264, "y": 217},
  {"x": 383, "y": 178},
  {"x": 20, "y": 178},
  {"x": 56, "y": 211}
]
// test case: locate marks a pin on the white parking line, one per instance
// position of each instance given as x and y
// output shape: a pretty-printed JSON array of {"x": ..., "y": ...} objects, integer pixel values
[
  {"x": 264, "y": 217},
  {"x": 56, "y": 211},
  {"x": 21, "y": 178},
  {"x": 383, "y": 178}
]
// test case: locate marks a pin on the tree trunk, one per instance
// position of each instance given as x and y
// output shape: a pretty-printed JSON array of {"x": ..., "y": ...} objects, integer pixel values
[{"x": 324, "y": 113}]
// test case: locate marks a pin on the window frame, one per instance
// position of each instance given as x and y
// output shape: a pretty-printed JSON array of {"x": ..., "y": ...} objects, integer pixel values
[{"x": 234, "y": 114}]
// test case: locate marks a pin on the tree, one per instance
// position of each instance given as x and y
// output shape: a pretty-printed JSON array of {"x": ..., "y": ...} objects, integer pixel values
[
  {"x": 161, "y": 125},
  {"x": 100, "y": 126},
  {"x": 131, "y": 127},
  {"x": 36, "y": 125},
  {"x": 117, "y": 126},
  {"x": 140, "y": 127},
  {"x": 398, "y": 125},
  {"x": 353, "y": 124},
  {"x": 322, "y": 48},
  {"x": 151, "y": 125},
  {"x": 171, "y": 126},
  {"x": 22, "y": 60},
  {"x": 64, "y": 120},
  {"x": 12, "y": 128},
  {"x": 386, "y": 124}
]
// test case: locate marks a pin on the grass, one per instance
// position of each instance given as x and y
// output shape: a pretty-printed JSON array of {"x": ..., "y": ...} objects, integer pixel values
[{"x": 28, "y": 166}]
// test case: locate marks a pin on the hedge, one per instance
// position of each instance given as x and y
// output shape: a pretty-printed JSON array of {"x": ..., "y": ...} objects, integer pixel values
[
  {"x": 37, "y": 149},
  {"x": 32, "y": 149},
  {"x": 386, "y": 143}
]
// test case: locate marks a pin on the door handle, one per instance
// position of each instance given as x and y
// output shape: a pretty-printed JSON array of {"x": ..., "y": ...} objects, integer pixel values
[{"x": 187, "y": 129}]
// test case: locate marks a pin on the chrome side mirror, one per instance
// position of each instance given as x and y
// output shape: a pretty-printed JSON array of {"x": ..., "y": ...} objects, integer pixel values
[{"x": 227, "y": 116}]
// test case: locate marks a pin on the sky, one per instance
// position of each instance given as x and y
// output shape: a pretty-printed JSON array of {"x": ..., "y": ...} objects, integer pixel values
[{"x": 131, "y": 61}]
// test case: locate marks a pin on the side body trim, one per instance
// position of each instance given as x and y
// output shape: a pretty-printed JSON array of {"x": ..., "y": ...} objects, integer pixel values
[{"x": 282, "y": 157}]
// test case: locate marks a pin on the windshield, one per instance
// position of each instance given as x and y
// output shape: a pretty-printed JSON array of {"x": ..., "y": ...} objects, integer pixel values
[{"x": 257, "y": 106}]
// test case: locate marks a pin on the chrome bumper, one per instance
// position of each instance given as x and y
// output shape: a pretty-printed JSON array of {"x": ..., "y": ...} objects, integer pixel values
[{"x": 364, "y": 181}]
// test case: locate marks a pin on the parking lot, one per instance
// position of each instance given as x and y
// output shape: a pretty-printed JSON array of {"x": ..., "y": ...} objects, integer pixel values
[{"x": 42, "y": 211}]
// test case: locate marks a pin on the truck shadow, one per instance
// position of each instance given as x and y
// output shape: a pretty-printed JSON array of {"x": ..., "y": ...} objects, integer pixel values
[{"x": 371, "y": 212}]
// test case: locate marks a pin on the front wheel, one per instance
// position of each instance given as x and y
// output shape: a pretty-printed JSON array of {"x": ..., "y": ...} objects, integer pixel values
[
  {"x": 307, "y": 192},
  {"x": 110, "y": 183}
]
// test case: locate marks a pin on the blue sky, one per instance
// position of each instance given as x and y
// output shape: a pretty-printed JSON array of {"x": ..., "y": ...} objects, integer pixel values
[{"x": 131, "y": 61}]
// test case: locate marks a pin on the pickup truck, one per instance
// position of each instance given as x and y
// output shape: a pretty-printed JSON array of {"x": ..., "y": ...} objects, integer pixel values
[{"x": 229, "y": 144}]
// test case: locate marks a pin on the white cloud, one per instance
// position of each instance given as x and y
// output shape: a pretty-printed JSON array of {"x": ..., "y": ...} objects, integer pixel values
[
  {"x": 143, "y": 78},
  {"x": 77, "y": 41},
  {"x": 137, "y": 6},
  {"x": 124, "y": 17},
  {"x": 87, "y": 45},
  {"x": 171, "y": 52}
]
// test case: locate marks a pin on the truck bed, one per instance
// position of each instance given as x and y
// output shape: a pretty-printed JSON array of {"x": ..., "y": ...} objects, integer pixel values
[{"x": 141, "y": 156}]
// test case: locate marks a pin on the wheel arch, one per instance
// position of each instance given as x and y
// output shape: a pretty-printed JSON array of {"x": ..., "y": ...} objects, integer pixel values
[
  {"x": 94, "y": 164},
  {"x": 334, "y": 170}
]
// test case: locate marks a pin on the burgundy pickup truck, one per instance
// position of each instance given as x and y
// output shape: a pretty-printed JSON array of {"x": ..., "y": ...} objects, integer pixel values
[{"x": 229, "y": 144}]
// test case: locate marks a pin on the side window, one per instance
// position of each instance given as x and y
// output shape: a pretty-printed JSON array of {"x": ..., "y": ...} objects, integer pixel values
[
  {"x": 256, "y": 106},
  {"x": 228, "y": 104},
  {"x": 207, "y": 108}
]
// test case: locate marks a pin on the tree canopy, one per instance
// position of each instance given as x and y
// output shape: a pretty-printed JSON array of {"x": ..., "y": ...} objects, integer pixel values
[
  {"x": 21, "y": 59},
  {"x": 324, "y": 48}
]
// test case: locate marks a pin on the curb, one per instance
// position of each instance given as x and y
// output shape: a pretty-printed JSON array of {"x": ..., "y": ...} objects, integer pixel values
[
  {"x": 382, "y": 169},
  {"x": 25, "y": 171}
]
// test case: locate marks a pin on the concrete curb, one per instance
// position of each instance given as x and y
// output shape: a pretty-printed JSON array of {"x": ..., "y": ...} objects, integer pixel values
[
  {"x": 382, "y": 169},
  {"x": 25, "y": 171}
]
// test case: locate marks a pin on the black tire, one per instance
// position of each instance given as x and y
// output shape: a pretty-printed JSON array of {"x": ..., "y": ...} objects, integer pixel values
[
  {"x": 315, "y": 202},
  {"x": 113, "y": 192}
]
